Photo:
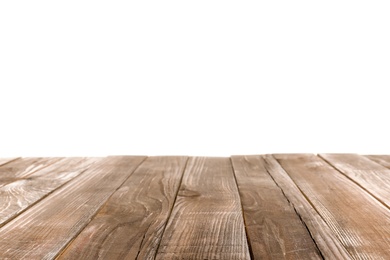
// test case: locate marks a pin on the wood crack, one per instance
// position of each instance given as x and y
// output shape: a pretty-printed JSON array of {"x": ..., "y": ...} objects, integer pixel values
[
  {"x": 299, "y": 215},
  {"x": 243, "y": 217},
  {"x": 282, "y": 206}
]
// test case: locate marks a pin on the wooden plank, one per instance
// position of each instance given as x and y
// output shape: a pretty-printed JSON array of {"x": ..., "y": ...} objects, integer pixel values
[
  {"x": 206, "y": 221},
  {"x": 23, "y": 167},
  {"x": 274, "y": 229},
  {"x": 6, "y": 160},
  {"x": 360, "y": 222},
  {"x": 131, "y": 223},
  {"x": 328, "y": 243},
  {"x": 19, "y": 195},
  {"x": 45, "y": 229},
  {"x": 384, "y": 160},
  {"x": 370, "y": 175}
]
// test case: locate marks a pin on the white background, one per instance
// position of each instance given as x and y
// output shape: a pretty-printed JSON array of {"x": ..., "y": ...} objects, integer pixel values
[{"x": 193, "y": 77}]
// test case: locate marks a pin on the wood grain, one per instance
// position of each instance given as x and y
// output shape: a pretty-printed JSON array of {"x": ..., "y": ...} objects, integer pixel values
[
  {"x": 328, "y": 243},
  {"x": 383, "y": 160},
  {"x": 206, "y": 221},
  {"x": 370, "y": 175},
  {"x": 360, "y": 222},
  {"x": 274, "y": 229},
  {"x": 21, "y": 168},
  {"x": 297, "y": 206},
  {"x": 19, "y": 195},
  {"x": 131, "y": 223},
  {"x": 47, "y": 227},
  {"x": 6, "y": 160}
]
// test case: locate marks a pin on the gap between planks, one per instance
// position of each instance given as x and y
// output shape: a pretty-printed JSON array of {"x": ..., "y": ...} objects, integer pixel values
[
  {"x": 64, "y": 212},
  {"x": 20, "y": 195},
  {"x": 131, "y": 222},
  {"x": 369, "y": 175},
  {"x": 273, "y": 226},
  {"x": 351, "y": 213},
  {"x": 304, "y": 201}
]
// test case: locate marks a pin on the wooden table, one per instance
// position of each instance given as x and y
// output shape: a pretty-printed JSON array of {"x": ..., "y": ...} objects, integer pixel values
[{"x": 294, "y": 206}]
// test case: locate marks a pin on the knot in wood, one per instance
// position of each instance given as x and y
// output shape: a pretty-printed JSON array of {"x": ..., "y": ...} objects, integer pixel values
[{"x": 188, "y": 193}]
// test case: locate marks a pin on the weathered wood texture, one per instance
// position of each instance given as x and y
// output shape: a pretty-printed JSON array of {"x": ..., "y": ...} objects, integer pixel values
[
  {"x": 44, "y": 230},
  {"x": 131, "y": 223},
  {"x": 294, "y": 206},
  {"x": 206, "y": 221},
  {"x": 360, "y": 222},
  {"x": 19, "y": 195},
  {"x": 22, "y": 167},
  {"x": 326, "y": 240},
  {"x": 274, "y": 229},
  {"x": 381, "y": 159},
  {"x": 6, "y": 160},
  {"x": 371, "y": 176}
]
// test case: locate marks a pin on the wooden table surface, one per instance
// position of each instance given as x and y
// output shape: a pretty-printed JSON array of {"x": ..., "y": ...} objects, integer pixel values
[{"x": 281, "y": 206}]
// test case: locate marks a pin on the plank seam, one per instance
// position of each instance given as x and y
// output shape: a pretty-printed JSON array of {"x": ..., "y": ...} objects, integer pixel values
[
  {"x": 10, "y": 161},
  {"x": 337, "y": 244},
  {"x": 242, "y": 212},
  {"x": 142, "y": 241},
  {"x": 359, "y": 185},
  {"x": 27, "y": 176},
  {"x": 170, "y": 212},
  {"x": 49, "y": 164},
  {"x": 59, "y": 253},
  {"x": 299, "y": 215},
  {"x": 41, "y": 199},
  {"x": 378, "y": 163}
]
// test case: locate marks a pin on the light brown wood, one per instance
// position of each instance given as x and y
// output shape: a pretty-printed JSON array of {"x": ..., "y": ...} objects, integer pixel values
[
  {"x": 131, "y": 223},
  {"x": 328, "y": 243},
  {"x": 47, "y": 227},
  {"x": 274, "y": 229},
  {"x": 373, "y": 177},
  {"x": 22, "y": 167},
  {"x": 6, "y": 160},
  {"x": 297, "y": 206},
  {"x": 383, "y": 160},
  {"x": 19, "y": 195},
  {"x": 206, "y": 221},
  {"x": 360, "y": 222}
]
